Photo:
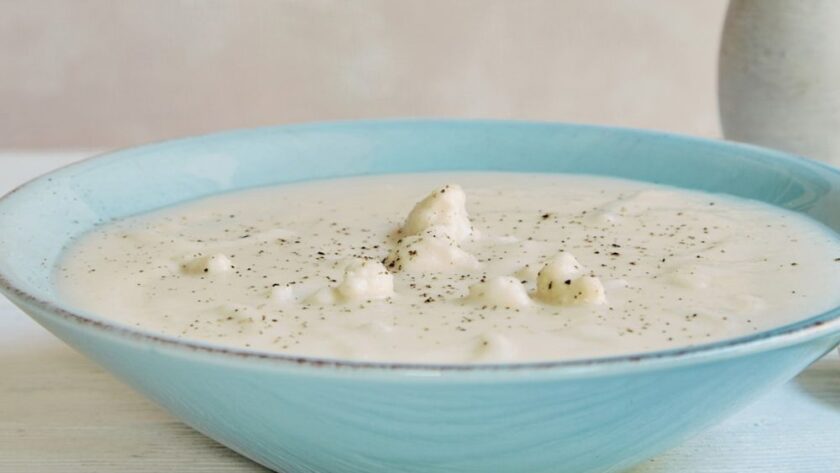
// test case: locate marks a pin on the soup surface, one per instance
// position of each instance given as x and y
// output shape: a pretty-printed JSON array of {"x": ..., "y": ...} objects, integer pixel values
[{"x": 457, "y": 268}]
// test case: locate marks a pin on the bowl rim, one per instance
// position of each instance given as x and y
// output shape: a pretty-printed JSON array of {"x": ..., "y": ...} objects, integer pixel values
[{"x": 811, "y": 328}]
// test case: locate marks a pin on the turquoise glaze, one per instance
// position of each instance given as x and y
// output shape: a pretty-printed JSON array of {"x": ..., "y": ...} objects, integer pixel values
[{"x": 315, "y": 415}]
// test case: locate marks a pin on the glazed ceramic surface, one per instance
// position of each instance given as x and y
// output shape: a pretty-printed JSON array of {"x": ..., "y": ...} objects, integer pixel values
[{"x": 311, "y": 415}]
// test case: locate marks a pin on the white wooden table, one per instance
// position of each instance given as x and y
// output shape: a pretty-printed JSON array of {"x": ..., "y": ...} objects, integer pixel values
[{"x": 61, "y": 413}]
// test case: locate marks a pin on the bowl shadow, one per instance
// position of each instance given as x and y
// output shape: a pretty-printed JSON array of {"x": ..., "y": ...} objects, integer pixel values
[{"x": 822, "y": 381}]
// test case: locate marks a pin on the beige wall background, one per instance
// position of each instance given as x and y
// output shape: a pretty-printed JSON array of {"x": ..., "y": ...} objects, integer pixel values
[{"x": 106, "y": 73}]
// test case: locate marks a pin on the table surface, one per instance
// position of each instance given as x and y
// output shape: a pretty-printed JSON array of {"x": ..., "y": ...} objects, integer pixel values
[{"x": 60, "y": 412}]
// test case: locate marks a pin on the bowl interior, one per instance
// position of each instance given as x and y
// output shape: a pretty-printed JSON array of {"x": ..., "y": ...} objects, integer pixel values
[{"x": 38, "y": 220}]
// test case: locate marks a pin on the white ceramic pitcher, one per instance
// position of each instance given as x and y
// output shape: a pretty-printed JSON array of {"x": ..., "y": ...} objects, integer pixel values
[{"x": 779, "y": 76}]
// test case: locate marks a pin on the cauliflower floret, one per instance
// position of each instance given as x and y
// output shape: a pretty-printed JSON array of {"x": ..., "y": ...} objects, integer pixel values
[
  {"x": 212, "y": 264},
  {"x": 563, "y": 266},
  {"x": 444, "y": 208},
  {"x": 281, "y": 295},
  {"x": 431, "y": 251},
  {"x": 366, "y": 279},
  {"x": 502, "y": 291},
  {"x": 560, "y": 282}
]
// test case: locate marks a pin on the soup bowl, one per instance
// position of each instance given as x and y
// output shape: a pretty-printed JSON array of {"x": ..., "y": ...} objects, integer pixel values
[{"x": 304, "y": 414}]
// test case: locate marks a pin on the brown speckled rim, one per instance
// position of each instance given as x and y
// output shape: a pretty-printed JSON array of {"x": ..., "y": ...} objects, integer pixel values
[{"x": 823, "y": 325}]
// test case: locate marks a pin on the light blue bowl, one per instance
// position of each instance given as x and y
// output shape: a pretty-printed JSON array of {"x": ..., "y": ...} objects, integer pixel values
[{"x": 316, "y": 415}]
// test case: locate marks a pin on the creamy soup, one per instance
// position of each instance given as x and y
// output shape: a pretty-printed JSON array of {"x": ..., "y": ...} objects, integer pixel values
[{"x": 457, "y": 267}]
